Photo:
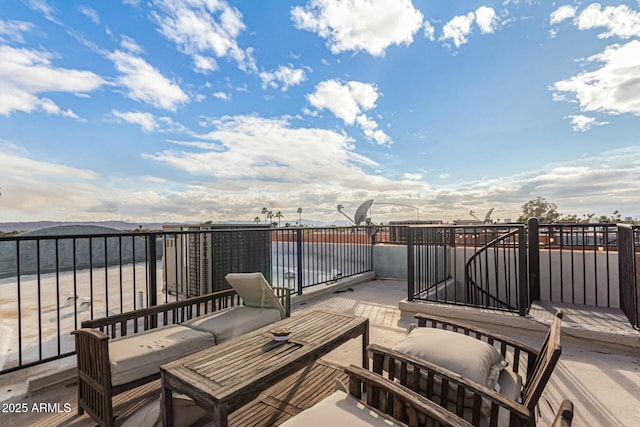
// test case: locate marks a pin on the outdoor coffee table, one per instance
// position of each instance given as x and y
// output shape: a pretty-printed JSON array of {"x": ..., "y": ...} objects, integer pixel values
[{"x": 224, "y": 377}]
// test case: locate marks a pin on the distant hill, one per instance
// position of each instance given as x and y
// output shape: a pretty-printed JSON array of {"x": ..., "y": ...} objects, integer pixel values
[{"x": 119, "y": 225}]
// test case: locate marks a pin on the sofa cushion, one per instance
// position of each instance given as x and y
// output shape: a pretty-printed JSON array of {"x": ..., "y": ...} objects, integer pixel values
[
  {"x": 510, "y": 386},
  {"x": 462, "y": 354},
  {"x": 338, "y": 410},
  {"x": 232, "y": 322},
  {"x": 139, "y": 355},
  {"x": 255, "y": 291}
]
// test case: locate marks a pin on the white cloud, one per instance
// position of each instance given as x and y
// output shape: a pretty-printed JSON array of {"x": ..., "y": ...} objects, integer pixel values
[
  {"x": 614, "y": 88},
  {"x": 145, "y": 120},
  {"x": 16, "y": 164},
  {"x": 371, "y": 131},
  {"x": 284, "y": 77},
  {"x": 130, "y": 45},
  {"x": 620, "y": 21},
  {"x": 222, "y": 95},
  {"x": 458, "y": 28},
  {"x": 581, "y": 123},
  {"x": 247, "y": 147},
  {"x": 413, "y": 176},
  {"x": 345, "y": 101},
  {"x": 444, "y": 176},
  {"x": 43, "y": 7},
  {"x": 429, "y": 31},
  {"x": 90, "y": 13},
  {"x": 204, "y": 64},
  {"x": 486, "y": 19},
  {"x": 562, "y": 13},
  {"x": 202, "y": 27},
  {"x": 12, "y": 30},
  {"x": 350, "y": 25},
  {"x": 26, "y": 73},
  {"x": 50, "y": 107},
  {"x": 145, "y": 83},
  {"x": 348, "y": 102}
]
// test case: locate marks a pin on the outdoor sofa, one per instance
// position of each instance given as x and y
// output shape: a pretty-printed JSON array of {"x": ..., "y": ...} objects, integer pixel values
[{"x": 123, "y": 351}]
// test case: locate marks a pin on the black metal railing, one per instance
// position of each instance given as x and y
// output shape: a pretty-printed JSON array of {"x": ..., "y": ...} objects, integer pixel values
[
  {"x": 493, "y": 273},
  {"x": 628, "y": 263},
  {"x": 470, "y": 265},
  {"x": 50, "y": 284},
  {"x": 574, "y": 263}
]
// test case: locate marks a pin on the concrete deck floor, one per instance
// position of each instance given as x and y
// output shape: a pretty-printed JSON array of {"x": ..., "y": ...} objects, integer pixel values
[{"x": 603, "y": 384}]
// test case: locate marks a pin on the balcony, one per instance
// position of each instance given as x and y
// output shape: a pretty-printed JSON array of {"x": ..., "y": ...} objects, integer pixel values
[{"x": 422, "y": 269}]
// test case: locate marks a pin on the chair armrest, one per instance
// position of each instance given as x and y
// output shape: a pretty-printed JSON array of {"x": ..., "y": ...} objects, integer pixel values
[
  {"x": 564, "y": 416},
  {"x": 380, "y": 391},
  {"x": 91, "y": 334},
  {"x": 465, "y": 388}
]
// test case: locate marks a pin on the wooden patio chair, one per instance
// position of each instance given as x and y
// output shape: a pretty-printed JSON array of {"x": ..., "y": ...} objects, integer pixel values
[
  {"x": 374, "y": 401},
  {"x": 470, "y": 399}
]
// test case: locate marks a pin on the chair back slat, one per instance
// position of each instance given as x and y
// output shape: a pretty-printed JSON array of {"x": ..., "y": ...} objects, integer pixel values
[{"x": 545, "y": 363}]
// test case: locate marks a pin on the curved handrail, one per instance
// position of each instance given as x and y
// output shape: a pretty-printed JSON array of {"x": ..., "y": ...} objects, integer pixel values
[{"x": 473, "y": 286}]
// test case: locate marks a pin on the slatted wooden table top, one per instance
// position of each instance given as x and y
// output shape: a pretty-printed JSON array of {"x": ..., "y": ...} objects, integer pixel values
[{"x": 227, "y": 376}]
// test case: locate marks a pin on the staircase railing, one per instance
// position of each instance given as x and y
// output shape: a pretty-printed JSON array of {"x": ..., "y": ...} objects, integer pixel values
[{"x": 495, "y": 275}]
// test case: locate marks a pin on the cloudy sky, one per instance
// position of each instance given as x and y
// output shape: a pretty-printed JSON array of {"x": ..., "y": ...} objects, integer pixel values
[{"x": 194, "y": 110}]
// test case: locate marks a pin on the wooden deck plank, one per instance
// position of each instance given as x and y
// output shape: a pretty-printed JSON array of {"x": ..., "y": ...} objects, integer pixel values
[{"x": 124, "y": 405}]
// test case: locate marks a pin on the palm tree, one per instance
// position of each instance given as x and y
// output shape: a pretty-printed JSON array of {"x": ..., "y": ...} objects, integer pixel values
[
  {"x": 299, "y": 216},
  {"x": 279, "y": 215},
  {"x": 264, "y": 212},
  {"x": 256, "y": 220},
  {"x": 270, "y": 216}
]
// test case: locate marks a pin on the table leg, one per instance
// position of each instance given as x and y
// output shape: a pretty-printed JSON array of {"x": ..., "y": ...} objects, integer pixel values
[
  {"x": 365, "y": 344},
  {"x": 167, "y": 407},
  {"x": 220, "y": 415}
]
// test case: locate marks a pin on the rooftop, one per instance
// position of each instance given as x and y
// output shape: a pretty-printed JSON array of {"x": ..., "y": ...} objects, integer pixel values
[{"x": 598, "y": 370}]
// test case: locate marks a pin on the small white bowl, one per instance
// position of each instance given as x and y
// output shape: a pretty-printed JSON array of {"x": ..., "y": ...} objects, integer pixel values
[{"x": 281, "y": 334}]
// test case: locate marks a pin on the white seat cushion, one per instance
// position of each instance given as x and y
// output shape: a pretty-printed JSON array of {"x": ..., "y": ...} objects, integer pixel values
[
  {"x": 139, "y": 355},
  {"x": 338, "y": 410},
  {"x": 462, "y": 354},
  {"x": 232, "y": 322},
  {"x": 511, "y": 388},
  {"x": 255, "y": 291}
]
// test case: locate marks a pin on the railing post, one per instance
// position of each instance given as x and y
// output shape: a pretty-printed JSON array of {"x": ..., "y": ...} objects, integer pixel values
[
  {"x": 523, "y": 295},
  {"x": 299, "y": 258},
  {"x": 410, "y": 272},
  {"x": 152, "y": 297},
  {"x": 534, "y": 259},
  {"x": 627, "y": 273}
]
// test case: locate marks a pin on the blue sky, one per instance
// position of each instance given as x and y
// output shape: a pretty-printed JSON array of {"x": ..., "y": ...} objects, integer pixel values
[{"x": 210, "y": 110}]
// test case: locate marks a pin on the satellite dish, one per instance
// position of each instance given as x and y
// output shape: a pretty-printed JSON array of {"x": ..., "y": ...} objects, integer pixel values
[
  {"x": 487, "y": 218},
  {"x": 361, "y": 212}
]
